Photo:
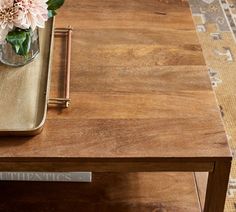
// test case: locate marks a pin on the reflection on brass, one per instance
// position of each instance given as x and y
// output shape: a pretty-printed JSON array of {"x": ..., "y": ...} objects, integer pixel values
[
  {"x": 65, "y": 101},
  {"x": 24, "y": 91}
]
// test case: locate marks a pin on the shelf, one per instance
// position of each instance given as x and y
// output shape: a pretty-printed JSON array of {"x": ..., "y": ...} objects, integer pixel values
[{"x": 108, "y": 192}]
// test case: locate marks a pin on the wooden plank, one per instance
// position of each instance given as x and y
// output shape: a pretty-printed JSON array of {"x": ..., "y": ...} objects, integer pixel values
[
  {"x": 108, "y": 192},
  {"x": 131, "y": 80},
  {"x": 143, "y": 138},
  {"x": 133, "y": 33},
  {"x": 117, "y": 106}
]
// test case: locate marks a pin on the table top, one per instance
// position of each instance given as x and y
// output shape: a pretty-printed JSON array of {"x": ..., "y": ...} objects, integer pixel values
[{"x": 139, "y": 87}]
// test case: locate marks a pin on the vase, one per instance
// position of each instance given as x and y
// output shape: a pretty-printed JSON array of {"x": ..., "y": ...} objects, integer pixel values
[{"x": 9, "y": 57}]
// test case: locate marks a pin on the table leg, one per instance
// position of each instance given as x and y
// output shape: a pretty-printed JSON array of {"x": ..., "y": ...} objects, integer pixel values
[{"x": 217, "y": 187}]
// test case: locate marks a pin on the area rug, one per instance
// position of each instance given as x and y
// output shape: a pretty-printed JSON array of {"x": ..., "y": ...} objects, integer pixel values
[{"x": 215, "y": 22}]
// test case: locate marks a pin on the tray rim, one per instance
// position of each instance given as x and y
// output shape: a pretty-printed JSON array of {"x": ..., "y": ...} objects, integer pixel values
[{"x": 38, "y": 129}]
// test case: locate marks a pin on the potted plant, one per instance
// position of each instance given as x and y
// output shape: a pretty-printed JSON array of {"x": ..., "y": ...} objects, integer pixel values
[{"x": 19, "y": 23}]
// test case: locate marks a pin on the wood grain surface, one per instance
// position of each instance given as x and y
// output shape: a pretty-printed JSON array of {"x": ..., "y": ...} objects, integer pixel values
[
  {"x": 139, "y": 87},
  {"x": 142, "y": 192}
]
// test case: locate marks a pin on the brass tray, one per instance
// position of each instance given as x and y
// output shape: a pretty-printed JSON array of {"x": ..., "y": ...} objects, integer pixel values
[{"x": 24, "y": 91}]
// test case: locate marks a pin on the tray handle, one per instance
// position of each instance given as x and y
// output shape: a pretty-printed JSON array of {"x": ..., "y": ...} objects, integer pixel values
[{"x": 64, "y": 101}]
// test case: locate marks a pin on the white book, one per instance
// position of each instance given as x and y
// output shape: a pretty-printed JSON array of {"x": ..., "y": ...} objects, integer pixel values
[{"x": 47, "y": 176}]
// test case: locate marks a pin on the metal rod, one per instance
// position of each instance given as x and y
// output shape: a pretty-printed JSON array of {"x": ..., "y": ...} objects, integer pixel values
[
  {"x": 68, "y": 33},
  {"x": 68, "y": 64},
  {"x": 64, "y": 29},
  {"x": 60, "y": 34}
]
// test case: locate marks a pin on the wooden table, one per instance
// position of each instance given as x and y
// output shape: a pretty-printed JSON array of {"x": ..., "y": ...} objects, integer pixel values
[{"x": 141, "y": 102}]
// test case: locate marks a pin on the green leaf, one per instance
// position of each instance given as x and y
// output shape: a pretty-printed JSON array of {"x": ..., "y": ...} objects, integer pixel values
[
  {"x": 26, "y": 44},
  {"x": 55, "y": 4},
  {"x": 20, "y": 41}
]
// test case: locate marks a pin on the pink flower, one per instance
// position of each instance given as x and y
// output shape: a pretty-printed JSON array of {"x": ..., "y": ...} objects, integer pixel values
[
  {"x": 8, "y": 14},
  {"x": 32, "y": 13}
]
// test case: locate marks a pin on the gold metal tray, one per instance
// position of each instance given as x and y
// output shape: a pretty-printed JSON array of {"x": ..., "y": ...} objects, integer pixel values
[{"x": 24, "y": 91}]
